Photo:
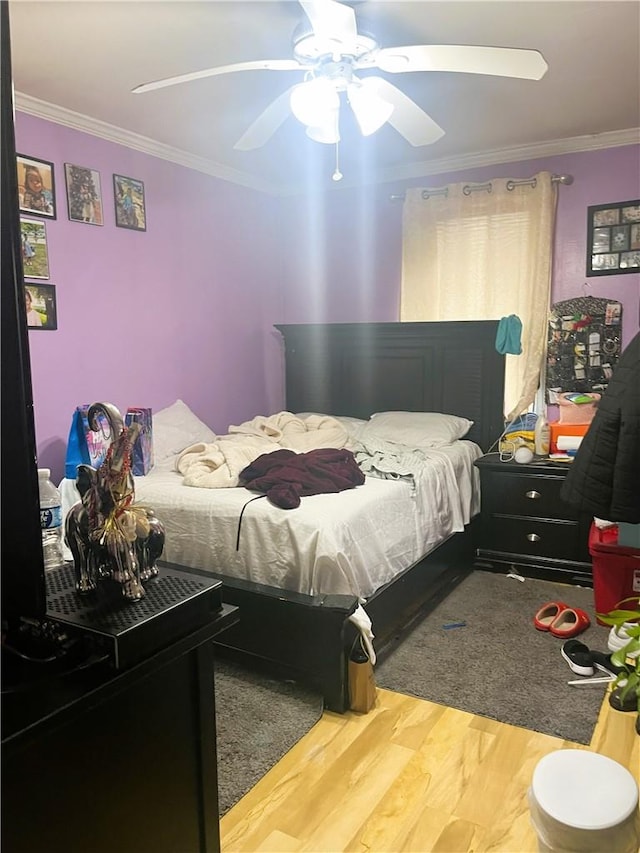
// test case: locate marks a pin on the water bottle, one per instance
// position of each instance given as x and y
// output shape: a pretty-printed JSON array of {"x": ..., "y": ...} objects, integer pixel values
[{"x": 50, "y": 520}]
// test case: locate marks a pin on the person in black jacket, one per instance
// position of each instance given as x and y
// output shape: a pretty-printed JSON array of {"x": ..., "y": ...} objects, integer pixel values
[{"x": 604, "y": 478}]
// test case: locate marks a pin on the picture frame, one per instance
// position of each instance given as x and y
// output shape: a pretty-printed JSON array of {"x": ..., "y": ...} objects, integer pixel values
[
  {"x": 613, "y": 238},
  {"x": 84, "y": 194},
  {"x": 36, "y": 186},
  {"x": 35, "y": 251},
  {"x": 128, "y": 196},
  {"x": 42, "y": 310}
]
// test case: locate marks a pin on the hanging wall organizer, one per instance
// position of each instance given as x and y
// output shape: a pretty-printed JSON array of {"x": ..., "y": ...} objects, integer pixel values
[{"x": 583, "y": 345}]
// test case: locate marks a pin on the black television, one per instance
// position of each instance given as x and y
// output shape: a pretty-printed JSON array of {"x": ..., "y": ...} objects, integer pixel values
[{"x": 22, "y": 566}]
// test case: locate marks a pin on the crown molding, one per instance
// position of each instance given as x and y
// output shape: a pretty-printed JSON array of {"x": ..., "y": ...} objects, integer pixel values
[
  {"x": 104, "y": 130},
  {"x": 536, "y": 151}
]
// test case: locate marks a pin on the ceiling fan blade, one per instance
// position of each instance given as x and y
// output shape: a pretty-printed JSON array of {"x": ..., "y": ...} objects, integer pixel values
[
  {"x": 332, "y": 22},
  {"x": 254, "y": 65},
  {"x": 407, "y": 117},
  {"x": 469, "y": 59},
  {"x": 263, "y": 128}
]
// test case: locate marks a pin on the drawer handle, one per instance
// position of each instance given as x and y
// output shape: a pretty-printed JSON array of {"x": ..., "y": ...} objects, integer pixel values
[
  {"x": 533, "y": 537},
  {"x": 533, "y": 495}
]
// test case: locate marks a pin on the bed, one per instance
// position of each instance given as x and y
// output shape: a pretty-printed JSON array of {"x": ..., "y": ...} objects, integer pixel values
[
  {"x": 386, "y": 554},
  {"x": 346, "y": 543}
]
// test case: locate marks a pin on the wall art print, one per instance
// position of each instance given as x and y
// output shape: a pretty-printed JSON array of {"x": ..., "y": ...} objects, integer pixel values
[
  {"x": 36, "y": 186},
  {"x": 129, "y": 201},
  {"x": 613, "y": 238},
  {"x": 35, "y": 253},
  {"x": 41, "y": 305},
  {"x": 84, "y": 196}
]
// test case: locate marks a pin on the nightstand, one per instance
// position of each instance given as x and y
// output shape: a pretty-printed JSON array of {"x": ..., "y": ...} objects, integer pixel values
[{"x": 524, "y": 522}]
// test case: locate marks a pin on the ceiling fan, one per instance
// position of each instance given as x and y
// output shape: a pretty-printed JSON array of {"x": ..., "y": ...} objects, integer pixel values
[{"x": 330, "y": 50}]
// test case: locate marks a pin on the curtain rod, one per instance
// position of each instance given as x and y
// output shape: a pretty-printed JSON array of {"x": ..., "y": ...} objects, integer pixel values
[{"x": 567, "y": 180}]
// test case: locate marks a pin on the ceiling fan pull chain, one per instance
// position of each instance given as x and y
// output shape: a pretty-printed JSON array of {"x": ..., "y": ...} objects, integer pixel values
[{"x": 337, "y": 175}]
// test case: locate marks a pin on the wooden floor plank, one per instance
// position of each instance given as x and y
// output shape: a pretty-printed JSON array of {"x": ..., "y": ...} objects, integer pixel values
[{"x": 409, "y": 776}]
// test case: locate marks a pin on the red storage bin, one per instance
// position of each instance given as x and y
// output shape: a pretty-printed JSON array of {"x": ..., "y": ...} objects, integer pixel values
[{"x": 616, "y": 569}]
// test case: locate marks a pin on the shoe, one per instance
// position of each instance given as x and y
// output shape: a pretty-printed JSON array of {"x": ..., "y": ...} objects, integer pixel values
[
  {"x": 602, "y": 662},
  {"x": 579, "y": 657},
  {"x": 547, "y": 613},
  {"x": 570, "y": 623},
  {"x": 584, "y": 661},
  {"x": 618, "y": 638}
]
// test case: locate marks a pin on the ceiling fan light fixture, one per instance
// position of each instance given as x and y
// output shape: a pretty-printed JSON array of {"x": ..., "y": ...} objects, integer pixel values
[
  {"x": 370, "y": 109},
  {"x": 329, "y": 48},
  {"x": 313, "y": 103},
  {"x": 327, "y": 133}
]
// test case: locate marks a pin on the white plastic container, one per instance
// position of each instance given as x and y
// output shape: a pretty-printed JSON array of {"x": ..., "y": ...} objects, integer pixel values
[
  {"x": 583, "y": 801},
  {"x": 50, "y": 520}
]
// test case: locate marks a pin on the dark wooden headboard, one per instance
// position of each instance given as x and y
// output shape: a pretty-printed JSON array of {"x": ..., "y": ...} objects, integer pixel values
[{"x": 360, "y": 368}]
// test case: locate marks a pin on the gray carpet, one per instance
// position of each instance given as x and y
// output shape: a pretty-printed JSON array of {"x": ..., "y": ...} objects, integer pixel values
[
  {"x": 498, "y": 666},
  {"x": 258, "y": 720}
]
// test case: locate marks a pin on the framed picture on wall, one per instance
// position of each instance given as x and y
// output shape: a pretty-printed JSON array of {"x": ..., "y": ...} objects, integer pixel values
[
  {"x": 613, "y": 238},
  {"x": 42, "y": 311},
  {"x": 84, "y": 196},
  {"x": 36, "y": 186},
  {"x": 128, "y": 195},
  {"x": 35, "y": 254}
]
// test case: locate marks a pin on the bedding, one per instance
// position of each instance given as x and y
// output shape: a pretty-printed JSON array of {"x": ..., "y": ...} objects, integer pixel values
[
  {"x": 349, "y": 543},
  {"x": 353, "y": 426},
  {"x": 217, "y": 464}
]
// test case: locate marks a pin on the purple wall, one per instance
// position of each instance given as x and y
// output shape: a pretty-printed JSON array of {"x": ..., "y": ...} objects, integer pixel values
[
  {"x": 357, "y": 252},
  {"x": 344, "y": 263},
  {"x": 186, "y": 309},
  {"x": 146, "y": 317}
]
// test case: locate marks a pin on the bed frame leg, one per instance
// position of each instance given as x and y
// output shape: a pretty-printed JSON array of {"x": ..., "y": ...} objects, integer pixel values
[{"x": 266, "y": 625}]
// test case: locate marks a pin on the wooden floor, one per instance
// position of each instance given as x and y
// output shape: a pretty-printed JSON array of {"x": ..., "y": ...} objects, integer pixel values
[{"x": 410, "y": 775}]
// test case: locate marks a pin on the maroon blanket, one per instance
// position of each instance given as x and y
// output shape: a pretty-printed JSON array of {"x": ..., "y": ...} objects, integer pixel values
[{"x": 285, "y": 476}]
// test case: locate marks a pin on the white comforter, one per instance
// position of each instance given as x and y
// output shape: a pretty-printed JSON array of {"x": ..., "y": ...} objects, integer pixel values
[
  {"x": 217, "y": 465},
  {"x": 351, "y": 543}
]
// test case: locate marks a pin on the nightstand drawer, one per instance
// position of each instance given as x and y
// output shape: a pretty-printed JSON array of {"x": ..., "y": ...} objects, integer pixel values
[
  {"x": 522, "y": 494},
  {"x": 558, "y": 540}
]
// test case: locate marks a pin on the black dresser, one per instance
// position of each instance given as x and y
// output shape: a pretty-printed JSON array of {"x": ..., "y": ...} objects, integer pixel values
[
  {"x": 525, "y": 523},
  {"x": 107, "y": 761}
]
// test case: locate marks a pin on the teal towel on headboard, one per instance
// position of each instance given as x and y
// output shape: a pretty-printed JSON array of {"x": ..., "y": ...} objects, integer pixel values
[{"x": 508, "y": 335}]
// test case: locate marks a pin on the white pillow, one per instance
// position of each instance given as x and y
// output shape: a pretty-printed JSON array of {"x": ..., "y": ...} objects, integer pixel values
[
  {"x": 175, "y": 428},
  {"x": 416, "y": 429}
]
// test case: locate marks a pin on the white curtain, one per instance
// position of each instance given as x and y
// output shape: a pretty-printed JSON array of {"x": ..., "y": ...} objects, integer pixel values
[{"x": 482, "y": 252}]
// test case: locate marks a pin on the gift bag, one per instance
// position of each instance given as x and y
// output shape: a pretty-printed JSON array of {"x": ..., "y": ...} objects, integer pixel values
[
  {"x": 362, "y": 682},
  {"x": 142, "y": 453},
  {"x": 86, "y": 446}
]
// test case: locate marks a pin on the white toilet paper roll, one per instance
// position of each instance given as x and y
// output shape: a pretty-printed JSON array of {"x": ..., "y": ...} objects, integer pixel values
[{"x": 569, "y": 442}]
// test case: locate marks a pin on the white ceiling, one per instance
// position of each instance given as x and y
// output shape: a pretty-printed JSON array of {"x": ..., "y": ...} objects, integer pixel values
[{"x": 76, "y": 61}]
